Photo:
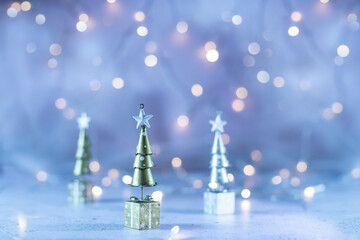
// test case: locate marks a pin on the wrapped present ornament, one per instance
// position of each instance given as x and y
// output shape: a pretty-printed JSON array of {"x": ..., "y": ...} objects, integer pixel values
[
  {"x": 80, "y": 190},
  {"x": 218, "y": 199},
  {"x": 142, "y": 213}
]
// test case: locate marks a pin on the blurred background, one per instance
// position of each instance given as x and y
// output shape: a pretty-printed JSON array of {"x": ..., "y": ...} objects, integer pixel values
[{"x": 284, "y": 74}]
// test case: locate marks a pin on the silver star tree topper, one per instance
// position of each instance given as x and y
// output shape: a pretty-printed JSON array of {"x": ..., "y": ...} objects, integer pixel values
[
  {"x": 142, "y": 119},
  {"x": 218, "y": 124},
  {"x": 83, "y": 121}
]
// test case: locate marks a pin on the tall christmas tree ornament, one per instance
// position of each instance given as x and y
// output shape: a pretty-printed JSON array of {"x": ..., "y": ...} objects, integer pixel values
[
  {"x": 143, "y": 213},
  {"x": 218, "y": 199},
  {"x": 80, "y": 189}
]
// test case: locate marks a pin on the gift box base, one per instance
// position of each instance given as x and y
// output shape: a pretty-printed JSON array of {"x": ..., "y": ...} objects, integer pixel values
[
  {"x": 80, "y": 191},
  {"x": 142, "y": 215},
  {"x": 219, "y": 202}
]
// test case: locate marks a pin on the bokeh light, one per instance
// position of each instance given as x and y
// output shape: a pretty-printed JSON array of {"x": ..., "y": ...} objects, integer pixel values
[
  {"x": 183, "y": 121},
  {"x": 150, "y": 60},
  {"x": 157, "y": 196},
  {"x": 142, "y": 31},
  {"x": 238, "y": 105},
  {"x": 212, "y": 55},
  {"x": 118, "y": 83},
  {"x": 245, "y": 193},
  {"x": 42, "y": 176},
  {"x": 301, "y": 166},
  {"x": 176, "y": 162},
  {"x": 97, "y": 191},
  {"x": 249, "y": 170},
  {"x": 60, "y": 103},
  {"x": 276, "y": 180},
  {"x": 296, "y": 16},
  {"x": 94, "y": 166},
  {"x": 197, "y": 90},
  {"x": 343, "y": 51},
  {"x": 236, "y": 19},
  {"x": 256, "y": 155},
  {"x": 254, "y": 48},
  {"x": 126, "y": 179},
  {"x": 263, "y": 76},
  {"x": 182, "y": 27},
  {"x": 293, "y": 31},
  {"x": 139, "y": 16}
]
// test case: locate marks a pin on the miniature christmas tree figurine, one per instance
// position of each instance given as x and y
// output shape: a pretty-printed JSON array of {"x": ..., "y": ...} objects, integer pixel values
[
  {"x": 80, "y": 190},
  {"x": 143, "y": 213},
  {"x": 218, "y": 199}
]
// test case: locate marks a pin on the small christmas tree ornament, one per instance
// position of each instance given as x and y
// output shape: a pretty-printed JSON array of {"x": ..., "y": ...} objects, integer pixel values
[
  {"x": 217, "y": 198},
  {"x": 80, "y": 190},
  {"x": 143, "y": 213}
]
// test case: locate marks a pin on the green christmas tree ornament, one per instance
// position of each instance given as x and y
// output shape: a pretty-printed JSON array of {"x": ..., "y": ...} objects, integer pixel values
[
  {"x": 217, "y": 198},
  {"x": 80, "y": 190},
  {"x": 143, "y": 213}
]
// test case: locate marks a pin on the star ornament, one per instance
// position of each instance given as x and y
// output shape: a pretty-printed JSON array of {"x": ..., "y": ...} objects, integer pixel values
[
  {"x": 217, "y": 124},
  {"x": 142, "y": 119},
  {"x": 83, "y": 121}
]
